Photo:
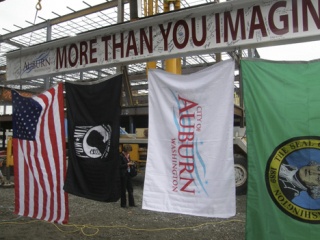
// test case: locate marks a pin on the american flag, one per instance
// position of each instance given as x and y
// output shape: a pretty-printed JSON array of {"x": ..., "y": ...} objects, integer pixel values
[{"x": 40, "y": 156}]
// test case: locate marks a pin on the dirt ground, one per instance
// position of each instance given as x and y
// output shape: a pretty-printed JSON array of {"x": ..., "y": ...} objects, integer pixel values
[{"x": 97, "y": 220}]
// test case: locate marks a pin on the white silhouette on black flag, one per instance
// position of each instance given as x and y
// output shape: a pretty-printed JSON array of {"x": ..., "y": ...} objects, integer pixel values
[{"x": 93, "y": 113}]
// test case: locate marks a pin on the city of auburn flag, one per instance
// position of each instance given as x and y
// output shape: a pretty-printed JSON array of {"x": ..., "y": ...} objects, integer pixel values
[
  {"x": 190, "y": 166},
  {"x": 282, "y": 101},
  {"x": 93, "y": 114},
  {"x": 39, "y": 155}
]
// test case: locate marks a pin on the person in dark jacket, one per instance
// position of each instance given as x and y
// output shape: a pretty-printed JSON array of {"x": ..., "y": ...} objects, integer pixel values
[{"x": 126, "y": 182}]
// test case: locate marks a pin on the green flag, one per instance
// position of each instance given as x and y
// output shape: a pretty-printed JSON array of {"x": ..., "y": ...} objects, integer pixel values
[{"x": 282, "y": 103}]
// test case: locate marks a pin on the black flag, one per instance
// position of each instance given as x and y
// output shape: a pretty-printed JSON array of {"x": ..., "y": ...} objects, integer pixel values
[{"x": 93, "y": 113}]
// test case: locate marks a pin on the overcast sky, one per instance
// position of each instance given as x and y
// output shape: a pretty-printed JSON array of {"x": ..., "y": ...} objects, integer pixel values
[{"x": 18, "y": 11}]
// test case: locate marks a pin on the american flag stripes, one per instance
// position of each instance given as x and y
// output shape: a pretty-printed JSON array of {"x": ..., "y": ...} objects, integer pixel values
[{"x": 40, "y": 156}]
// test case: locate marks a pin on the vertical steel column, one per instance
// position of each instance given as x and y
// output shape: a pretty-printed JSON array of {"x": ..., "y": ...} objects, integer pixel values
[
  {"x": 242, "y": 120},
  {"x": 218, "y": 57},
  {"x": 134, "y": 10},
  {"x": 172, "y": 65},
  {"x": 120, "y": 11},
  {"x": 126, "y": 88},
  {"x": 120, "y": 18},
  {"x": 149, "y": 10},
  {"x": 47, "y": 80}
]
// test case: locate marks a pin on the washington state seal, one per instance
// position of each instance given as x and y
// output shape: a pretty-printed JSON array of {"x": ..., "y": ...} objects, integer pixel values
[{"x": 293, "y": 178}]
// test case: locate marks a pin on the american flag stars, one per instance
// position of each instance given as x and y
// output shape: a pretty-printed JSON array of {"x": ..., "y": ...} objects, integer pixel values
[{"x": 26, "y": 114}]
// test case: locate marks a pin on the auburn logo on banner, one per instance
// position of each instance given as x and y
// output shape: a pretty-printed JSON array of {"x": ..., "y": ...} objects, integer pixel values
[{"x": 187, "y": 160}]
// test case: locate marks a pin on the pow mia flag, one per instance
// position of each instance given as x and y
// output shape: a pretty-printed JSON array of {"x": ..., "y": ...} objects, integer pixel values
[{"x": 93, "y": 114}]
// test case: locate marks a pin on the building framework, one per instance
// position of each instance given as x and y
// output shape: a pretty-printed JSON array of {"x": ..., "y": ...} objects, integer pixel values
[
  {"x": 89, "y": 19},
  {"x": 240, "y": 26}
]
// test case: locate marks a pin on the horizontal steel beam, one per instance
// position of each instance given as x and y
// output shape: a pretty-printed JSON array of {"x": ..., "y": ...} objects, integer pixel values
[
  {"x": 165, "y": 27},
  {"x": 62, "y": 19}
]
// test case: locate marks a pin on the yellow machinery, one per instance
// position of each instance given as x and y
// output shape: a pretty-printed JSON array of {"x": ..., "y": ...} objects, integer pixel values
[
  {"x": 8, "y": 155},
  {"x": 9, "y": 161},
  {"x": 138, "y": 154}
]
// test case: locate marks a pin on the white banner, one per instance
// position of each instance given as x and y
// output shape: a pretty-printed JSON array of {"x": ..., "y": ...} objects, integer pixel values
[
  {"x": 190, "y": 147},
  {"x": 203, "y": 29}
]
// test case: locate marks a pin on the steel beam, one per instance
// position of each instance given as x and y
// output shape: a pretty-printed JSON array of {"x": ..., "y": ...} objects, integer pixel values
[{"x": 62, "y": 19}]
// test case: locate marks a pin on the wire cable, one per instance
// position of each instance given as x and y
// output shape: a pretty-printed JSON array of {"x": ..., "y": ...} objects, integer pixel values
[
  {"x": 38, "y": 8},
  {"x": 86, "y": 228}
]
